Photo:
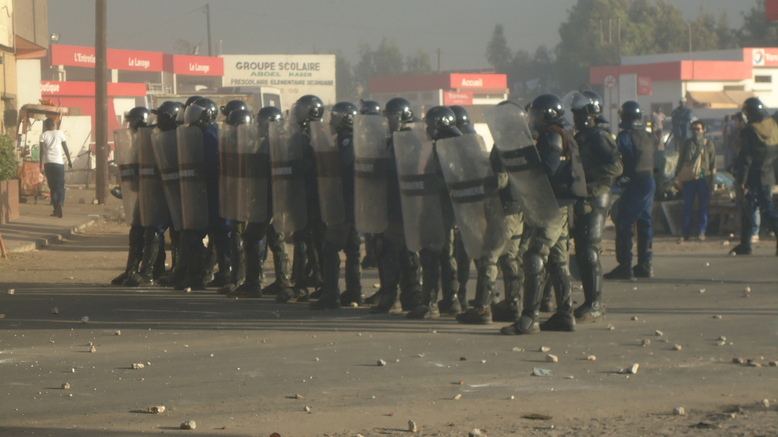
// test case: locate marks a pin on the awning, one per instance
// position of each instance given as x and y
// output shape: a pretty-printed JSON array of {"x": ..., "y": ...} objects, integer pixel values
[{"x": 718, "y": 99}]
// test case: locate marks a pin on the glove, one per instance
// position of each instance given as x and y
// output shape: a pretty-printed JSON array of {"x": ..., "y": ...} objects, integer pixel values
[{"x": 622, "y": 181}]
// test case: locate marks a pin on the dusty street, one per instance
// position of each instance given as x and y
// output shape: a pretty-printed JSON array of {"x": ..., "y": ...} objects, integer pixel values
[{"x": 253, "y": 367}]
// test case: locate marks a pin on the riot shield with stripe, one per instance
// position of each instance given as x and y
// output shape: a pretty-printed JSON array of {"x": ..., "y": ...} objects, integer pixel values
[
  {"x": 328, "y": 173},
  {"x": 370, "y": 165},
  {"x": 419, "y": 189},
  {"x": 289, "y": 194},
  {"x": 472, "y": 186},
  {"x": 254, "y": 182},
  {"x": 191, "y": 167},
  {"x": 165, "y": 148},
  {"x": 229, "y": 172},
  {"x": 127, "y": 160},
  {"x": 153, "y": 204},
  {"x": 517, "y": 151}
]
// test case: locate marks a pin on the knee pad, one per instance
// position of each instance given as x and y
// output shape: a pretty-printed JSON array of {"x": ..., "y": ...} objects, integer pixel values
[{"x": 533, "y": 264}]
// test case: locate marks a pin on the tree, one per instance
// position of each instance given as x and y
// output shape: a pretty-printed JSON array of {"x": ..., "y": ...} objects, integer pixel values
[
  {"x": 385, "y": 60},
  {"x": 756, "y": 30},
  {"x": 347, "y": 86},
  {"x": 418, "y": 64},
  {"x": 497, "y": 52}
]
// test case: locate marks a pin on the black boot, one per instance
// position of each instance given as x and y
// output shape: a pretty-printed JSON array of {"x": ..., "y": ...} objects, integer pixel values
[
  {"x": 533, "y": 290},
  {"x": 563, "y": 319},
  {"x": 547, "y": 301},
  {"x": 159, "y": 263},
  {"x": 134, "y": 255},
  {"x": 429, "y": 307},
  {"x": 353, "y": 273},
  {"x": 645, "y": 254},
  {"x": 282, "y": 267},
  {"x": 223, "y": 275},
  {"x": 385, "y": 302},
  {"x": 195, "y": 257},
  {"x": 508, "y": 309},
  {"x": 481, "y": 313},
  {"x": 622, "y": 271},
  {"x": 238, "y": 260},
  {"x": 592, "y": 309},
  {"x": 145, "y": 275}
]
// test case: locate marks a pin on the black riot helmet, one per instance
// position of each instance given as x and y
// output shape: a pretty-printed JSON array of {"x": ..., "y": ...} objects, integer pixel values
[
  {"x": 585, "y": 110},
  {"x": 238, "y": 117},
  {"x": 369, "y": 106},
  {"x": 599, "y": 118},
  {"x": 398, "y": 112},
  {"x": 267, "y": 115},
  {"x": 631, "y": 115},
  {"x": 188, "y": 102},
  {"x": 441, "y": 123},
  {"x": 754, "y": 110},
  {"x": 546, "y": 109},
  {"x": 308, "y": 108},
  {"x": 168, "y": 114},
  {"x": 463, "y": 119},
  {"x": 233, "y": 105},
  {"x": 138, "y": 117},
  {"x": 202, "y": 112},
  {"x": 342, "y": 117}
]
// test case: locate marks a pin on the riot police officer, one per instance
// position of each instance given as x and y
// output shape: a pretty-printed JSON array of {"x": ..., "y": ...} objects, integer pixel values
[
  {"x": 755, "y": 171},
  {"x": 369, "y": 261},
  {"x": 398, "y": 267},
  {"x": 559, "y": 159},
  {"x": 339, "y": 235},
  {"x": 438, "y": 265},
  {"x": 601, "y": 162},
  {"x": 636, "y": 203}
]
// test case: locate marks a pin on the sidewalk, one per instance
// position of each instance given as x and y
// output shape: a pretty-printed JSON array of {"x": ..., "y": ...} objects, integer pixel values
[{"x": 36, "y": 228}]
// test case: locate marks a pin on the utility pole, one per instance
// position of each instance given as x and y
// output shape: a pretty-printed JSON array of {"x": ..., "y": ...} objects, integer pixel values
[
  {"x": 439, "y": 58},
  {"x": 208, "y": 25},
  {"x": 101, "y": 103}
]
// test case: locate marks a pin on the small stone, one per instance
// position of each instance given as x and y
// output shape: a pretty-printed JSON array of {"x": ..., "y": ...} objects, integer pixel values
[
  {"x": 477, "y": 433},
  {"x": 717, "y": 317},
  {"x": 483, "y": 361},
  {"x": 747, "y": 290},
  {"x": 659, "y": 333},
  {"x": 631, "y": 370},
  {"x": 552, "y": 358},
  {"x": 307, "y": 409},
  {"x": 412, "y": 427},
  {"x": 55, "y": 311},
  {"x": 738, "y": 360},
  {"x": 752, "y": 363},
  {"x": 298, "y": 396},
  {"x": 156, "y": 409},
  {"x": 611, "y": 328},
  {"x": 679, "y": 411},
  {"x": 461, "y": 383},
  {"x": 707, "y": 264},
  {"x": 512, "y": 397},
  {"x": 702, "y": 290},
  {"x": 634, "y": 318},
  {"x": 11, "y": 291},
  {"x": 138, "y": 365},
  {"x": 570, "y": 377},
  {"x": 462, "y": 358},
  {"x": 85, "y": 319},
  {"x": 536, "y": 371},
  {"x": 677, "y": 347},
  {"x": 316, "y": 359},
  {"x": 188, "y": 290},
  {"x": 545, "y": 349},
  {"x": 646, "y": 342},
  {"x": 773, "y": 364},
  {"x": 72, "y": 370},
  {"x": 380, "y": 363},
  {"x": 766, "y": 403},
  {"x": 725, "y": 243},
  {"x": 591, "y": 358},
  {"x": 92, "y": 349},
  {"x": 722, "y": 338},
  {"x": 458, "y": 397},
  {"x": 66, "y": 386},
  {"x": 189, "y": 424},
  {"x": 517, "y": 349},
  {"x": 721, "y": 343}
]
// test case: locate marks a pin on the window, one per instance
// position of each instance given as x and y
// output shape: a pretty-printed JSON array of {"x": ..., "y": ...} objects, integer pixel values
[{"x": 763, "y": 79}]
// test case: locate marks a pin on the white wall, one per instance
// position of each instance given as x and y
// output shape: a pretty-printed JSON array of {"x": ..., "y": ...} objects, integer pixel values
[{"x": 28, "y": 81}]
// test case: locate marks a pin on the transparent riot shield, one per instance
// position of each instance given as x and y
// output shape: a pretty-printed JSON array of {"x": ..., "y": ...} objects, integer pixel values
[
  {"x": 127, "y": 161},
  {"x": 165, "y": 148},
  {"x": 370, "y": 165},
  {"x": 286, "y": 154},
  {"x": 229, "y": 172},
  {"x": 254, "y": 182},
  {"x": 328, "y": 173},
  {"x": 153, "y": 204},
  {"x": 529, "y": 182},
  {"x": 191, "y": 167},
  {"x": 419, "y": 189},
  {"x": 478, "y": 212}
]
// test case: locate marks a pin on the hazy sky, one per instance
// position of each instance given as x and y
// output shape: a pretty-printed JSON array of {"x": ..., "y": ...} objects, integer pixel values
[{"x": 459, "y": 29}]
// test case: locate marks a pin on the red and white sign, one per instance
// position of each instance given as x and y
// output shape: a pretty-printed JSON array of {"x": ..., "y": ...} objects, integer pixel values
[
  {"x": 479, "y": 81},
  {"x": 195, "y": 65},
  {"x": 645, "y": 86},
  {"x": 72, "y": 56},
  {"x": 55, "y": 88},
  {"x": 134, "y": 60},
  {"x": 457, "y": 98},
  {"x": 609, "y": 81}
]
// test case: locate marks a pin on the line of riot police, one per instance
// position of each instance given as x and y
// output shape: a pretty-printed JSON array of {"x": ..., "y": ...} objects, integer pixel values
[{"x": 427, "y": 193}]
